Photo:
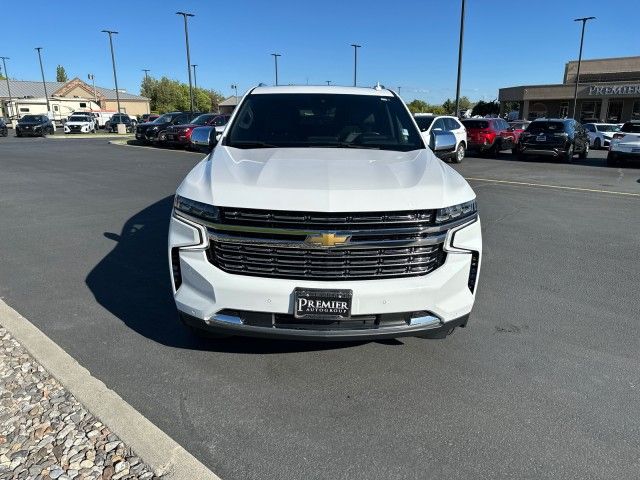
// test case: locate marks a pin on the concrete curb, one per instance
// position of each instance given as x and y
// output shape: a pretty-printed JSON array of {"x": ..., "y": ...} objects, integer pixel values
[
  {"x": 156, "y": 448},
  {"x": 123, "y": 143},
  {"x": 89, "y": 137}
]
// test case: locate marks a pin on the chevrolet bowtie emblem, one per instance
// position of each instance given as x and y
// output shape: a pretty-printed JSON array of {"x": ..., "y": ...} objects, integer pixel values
[{"x": 327, "y": 239}]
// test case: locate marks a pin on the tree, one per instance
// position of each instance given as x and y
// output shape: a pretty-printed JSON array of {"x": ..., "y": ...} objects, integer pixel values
[
  {"x": 483, "y": 108},
  {"x": 61, "y": 74},
  {"x": 449, "y": 105},
  {"x": 168, "y": 95}
]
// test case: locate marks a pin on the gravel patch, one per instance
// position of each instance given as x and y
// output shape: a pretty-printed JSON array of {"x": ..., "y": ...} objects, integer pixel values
[{"x": 46, "y": 434}]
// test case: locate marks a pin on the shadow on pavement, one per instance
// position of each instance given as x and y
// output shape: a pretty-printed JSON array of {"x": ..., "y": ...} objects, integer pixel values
[
  {"x": 132, "y": 282},
  {"x": 590, "y": 161}
]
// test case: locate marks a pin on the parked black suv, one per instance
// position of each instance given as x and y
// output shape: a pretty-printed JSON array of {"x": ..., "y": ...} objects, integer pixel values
[
  {"x": 34, "y": 125},
  {"x": 155, "y": 132},
  {"x": 130, "y": 123},
  {"x": 560, "y": 138},
  {"x": 4, "y": 131}
]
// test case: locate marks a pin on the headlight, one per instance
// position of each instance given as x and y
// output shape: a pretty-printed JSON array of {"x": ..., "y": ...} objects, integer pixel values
[
  {"x": 155, "y": 129},
  {"x": 195, "y": 209},
  {"x": 456, "y": 212}
]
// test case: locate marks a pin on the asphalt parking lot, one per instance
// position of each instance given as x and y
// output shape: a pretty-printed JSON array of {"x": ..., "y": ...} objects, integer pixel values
[{"x": 544, "y": 382}]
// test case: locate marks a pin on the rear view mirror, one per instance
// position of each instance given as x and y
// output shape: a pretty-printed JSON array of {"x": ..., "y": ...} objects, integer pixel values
[{"x": 442, "y": 141}]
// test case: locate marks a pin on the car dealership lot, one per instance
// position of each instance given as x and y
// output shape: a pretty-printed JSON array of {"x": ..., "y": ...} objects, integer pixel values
[{"x": 542, "y": 384}]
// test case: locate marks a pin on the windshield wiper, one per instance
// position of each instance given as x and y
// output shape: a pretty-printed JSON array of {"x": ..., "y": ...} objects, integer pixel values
[
  {"x": 251, "y": 145},
  {"x": 344, "y": 145}
]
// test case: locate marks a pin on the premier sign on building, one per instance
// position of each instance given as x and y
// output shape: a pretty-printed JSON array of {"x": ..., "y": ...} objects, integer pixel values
[{"x": 608, "y": 91}]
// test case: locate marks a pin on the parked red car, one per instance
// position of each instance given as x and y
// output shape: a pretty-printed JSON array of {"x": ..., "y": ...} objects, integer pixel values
[
  {"x": 180, "y": 135},
  {"x": 489, "y": 135},
  {"x": 518, "y": 126}
]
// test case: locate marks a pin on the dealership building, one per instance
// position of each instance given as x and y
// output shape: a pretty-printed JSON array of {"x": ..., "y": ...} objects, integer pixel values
[{"x": 608, "y": 91}]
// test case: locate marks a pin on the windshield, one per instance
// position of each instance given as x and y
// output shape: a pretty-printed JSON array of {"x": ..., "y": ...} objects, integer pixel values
[
  {"x": 540, "y": 127},
  {"x": 220, "y": 121},
  {"x": 424, "y": 122},
  {"x": 631, "y": 127},
  {"x": 202, "y": 119},
  {"x": 475, "y": 123},
  {"x": 323, "y": 120},
  {"x": 518, "y": 125},
  {"x": 608, "y": 128},
  {"x": 80, "y": 118},
  {"x": 166, "y": 118},
  {"x": 31, "y": 118}
]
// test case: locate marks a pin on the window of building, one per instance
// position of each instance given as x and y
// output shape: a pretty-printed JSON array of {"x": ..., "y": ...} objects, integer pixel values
[
  {"x": 614, "y": 114},
  {"x": 590, "y": 110},
  {"x": 538, "y": 110},
  {"x": 635, "y": 113},
  {"x": 564, "y": 109},
  {"x": 55, "y": 108}
]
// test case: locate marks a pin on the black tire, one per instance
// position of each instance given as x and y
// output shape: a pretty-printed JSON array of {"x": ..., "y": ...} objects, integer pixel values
[
  {"x": 612, "y": 160},
  {"x": 460, "y": 153},
  {"x": 585, "y": 152},
  {"x": 495, "y": 150},
  {"x": 18, "y": 134},
  {"x": 567, "y": 157},
  {"x": 521, "y": 156},
  {"x": 597, "y": 144},
  {"x": 53, "y": 131}
]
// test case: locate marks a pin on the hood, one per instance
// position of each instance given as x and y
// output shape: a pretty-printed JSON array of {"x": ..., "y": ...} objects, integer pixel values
[
  {"x": 325, "y": 179},
  {"x": 30, "y": 124},
  {"x": 608, "y": 134}
]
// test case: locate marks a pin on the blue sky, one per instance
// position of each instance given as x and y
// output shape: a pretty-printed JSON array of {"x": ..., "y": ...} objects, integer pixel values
[{"x": 410, "y": 43}]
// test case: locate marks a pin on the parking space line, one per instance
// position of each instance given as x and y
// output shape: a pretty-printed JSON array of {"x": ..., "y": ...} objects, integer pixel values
[{"x": 560, "y": 187}]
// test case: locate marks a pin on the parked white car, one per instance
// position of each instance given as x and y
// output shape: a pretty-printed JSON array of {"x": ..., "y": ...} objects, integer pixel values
[
  {"x": 428, "y": 123},
  {"x": 600, "y": 134},
  {"x": 80, "y": 123},
  {"x": 322, "y": 214},
  {"x": 625, "y": 144}
]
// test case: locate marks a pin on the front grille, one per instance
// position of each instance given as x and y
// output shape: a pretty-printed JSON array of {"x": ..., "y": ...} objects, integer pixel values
[
  {"x": 75, "y": 128},
  {"x": 277, "y": 244}
]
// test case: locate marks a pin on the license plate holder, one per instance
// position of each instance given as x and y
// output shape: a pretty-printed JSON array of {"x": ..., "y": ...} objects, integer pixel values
[{"x": 322, "y": 304}]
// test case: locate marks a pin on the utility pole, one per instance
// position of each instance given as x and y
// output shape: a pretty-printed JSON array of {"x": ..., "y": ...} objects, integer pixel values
[
  {"x": 44, "y": 84},
  {"x": 185, "y": 15},
  {"x": 355, "y": 63},
  {"x": 584, "y": 21},
  {"x": 195, "y": 79},
  {"x": 235, "y": 87},
  {"x": 4, "y": 65},
  {"x": 275, "y": 57},
  {"x": 113, "y": 64},
  {"x": 146, "y": 73},
  {"x": 460, "y": 45}
]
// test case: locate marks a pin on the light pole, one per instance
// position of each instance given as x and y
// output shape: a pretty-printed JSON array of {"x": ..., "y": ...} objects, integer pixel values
[
  {"x": 44, "y": 84},
  {"x": 275, "y": 58},
  {"x": 584, "y": 21},
  {"x": 4, "y": 65},
  {"x": 185, "y": 15},
  {"x": 235, "y": 87},
  {"x": 195, "y": 78},
  {"x": 355, "y": 62},
  {"x": 146, "y": 73},
  {"x": 460, "y": 45},
  {"x": 92, "y": 77},
  {"x": 399, "y": 88},
  {"x": 113, "y": 63}
]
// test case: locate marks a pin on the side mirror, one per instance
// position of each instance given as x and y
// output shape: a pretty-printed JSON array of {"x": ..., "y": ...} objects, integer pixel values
[
  {"x": 204, "y": 138},
  {"x": 441, "y": 141}
]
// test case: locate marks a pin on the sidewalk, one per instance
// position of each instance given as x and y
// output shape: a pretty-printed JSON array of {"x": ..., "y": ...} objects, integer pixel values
[{"x": 45, "y": 433}]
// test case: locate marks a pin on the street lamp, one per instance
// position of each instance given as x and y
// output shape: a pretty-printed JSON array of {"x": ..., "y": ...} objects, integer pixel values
[
  {"x": 355, "y": 62},
  {"x": 92, "y": 77},
  {"x": 186, "y": 37},
  {"x": 4, "y": 65},
  {"x": 113, "y": 64},
  {"x": 275, "y": 58},
  {"x": 584, "y": 21},
  {"x": 44, "y": 84},
  {"x": 235, "y": 87},
  {"x": 399, "y": 88},
  {"x": 460, "y": 45},
  {"x": 195, "y": 79}
]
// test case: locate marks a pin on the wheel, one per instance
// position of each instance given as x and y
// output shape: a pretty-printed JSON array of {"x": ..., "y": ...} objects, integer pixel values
[
  {"x": 18, "y": 134},
  {"x": 612, "y": 160},
  {"x": 459, "y": 156},
  {"x": 495, "y": 150},
  {"x": 514, "y": 151},
  {"x": 584, "y": 153},
  {"x": 597, "y": 144},
  {"x": 568, "y": 156},
  {"x": 53, "y": 131}
]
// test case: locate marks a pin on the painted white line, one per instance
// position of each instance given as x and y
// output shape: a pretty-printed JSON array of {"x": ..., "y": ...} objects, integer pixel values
[
  {"x": 156, "y": 448},
  {"x": 560, "y": 187}
]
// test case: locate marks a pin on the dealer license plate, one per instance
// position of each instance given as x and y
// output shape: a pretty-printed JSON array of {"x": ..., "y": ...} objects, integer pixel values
[
  {"x": 541, "y": 138},
  {"x": 322, "y": 304}
]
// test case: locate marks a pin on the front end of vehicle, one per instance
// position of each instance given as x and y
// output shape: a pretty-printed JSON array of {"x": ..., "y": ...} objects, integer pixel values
[
  {"x": 179, "y": 135},
  {"x": 29, "y": 129},
  {"x": 624, "y": 147},
  {"x": 78, "y": 127}
]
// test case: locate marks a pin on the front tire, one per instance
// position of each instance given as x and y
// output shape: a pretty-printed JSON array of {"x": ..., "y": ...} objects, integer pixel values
[
  {"x": 612, "y": 160},
  {"x": 568, "y": 156},
  {"x": 584, "y": 153},
  {"x": 597, "y": 144}
]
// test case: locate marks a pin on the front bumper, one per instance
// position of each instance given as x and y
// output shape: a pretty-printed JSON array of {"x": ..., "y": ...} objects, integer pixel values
[{"x": 207, "y": 296}]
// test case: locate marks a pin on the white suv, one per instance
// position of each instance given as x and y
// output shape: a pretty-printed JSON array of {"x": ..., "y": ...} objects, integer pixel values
[
  {"x": 430, "y": 123},
  {"x": 322, "y": 214},
  {"x": 80, "y": 123}
]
